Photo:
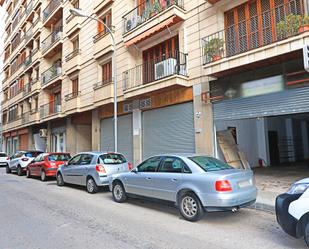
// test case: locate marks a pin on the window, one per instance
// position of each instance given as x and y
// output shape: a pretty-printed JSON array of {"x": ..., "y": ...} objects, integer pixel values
[
  {"x": 75, "y": 4},
  {"x": 107, "y": 72},
  {"x": 173, "y": 165},
  {"x": 3, "y": 155},
  {"x": 86, "y": 159},
  {"x": 111, "y": 158},
  {"x": 75, "y": 86},
  {"x": 75, "y": 160},
  {"x": 32, "y": 153},
  {"x": 209, "y": 164},
  {"x": 75, "y": 43},
  {"x": 107, "y": 19},
  {"x": 150, "y": 165},
  {"x": 59, "y": 157}
]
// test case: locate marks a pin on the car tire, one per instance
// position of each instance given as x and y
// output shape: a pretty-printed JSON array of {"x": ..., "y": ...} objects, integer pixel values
[
  {"x": 60, "y": 181},
  {"x": 19, "y": 171},
  {"x": 91, "y": 186},
  {"x": 119, "y": 193},
  {"x": 43, "y": 176},
  {"x": 190, "y": 207},
  {"x": 8, "y": 170},
  {"x": 306, "y": 235},
  {"x": 28, "y": 173}
]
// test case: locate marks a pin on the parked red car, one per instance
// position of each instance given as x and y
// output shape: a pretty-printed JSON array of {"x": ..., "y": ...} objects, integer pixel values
[{"x": 46, "y": 165}]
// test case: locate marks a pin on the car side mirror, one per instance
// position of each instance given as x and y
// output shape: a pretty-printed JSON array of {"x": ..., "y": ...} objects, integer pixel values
[{"x": 135, "y": 170}]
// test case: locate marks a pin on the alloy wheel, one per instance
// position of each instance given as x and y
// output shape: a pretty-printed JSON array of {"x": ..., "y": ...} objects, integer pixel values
[
  {"x": 189, "y": 206},
  {"x": 90, "y": 185},
  {"x": 43, "y": 176},
  {"x": 118, "y": 192}
]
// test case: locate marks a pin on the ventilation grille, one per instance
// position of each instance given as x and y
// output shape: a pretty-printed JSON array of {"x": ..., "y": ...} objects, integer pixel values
[
  {"x": 145, "y": 103},
  {"x": 128, "y": 107}
]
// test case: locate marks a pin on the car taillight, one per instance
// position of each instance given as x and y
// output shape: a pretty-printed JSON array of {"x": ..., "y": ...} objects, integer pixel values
[
  {"x": 7, "y": 158},
  {"x": 130, "y": 166},
  {"x": 25, "y": 159},
  {"x": 100, "y": 168},
  {"x": 223, "y": 186}
]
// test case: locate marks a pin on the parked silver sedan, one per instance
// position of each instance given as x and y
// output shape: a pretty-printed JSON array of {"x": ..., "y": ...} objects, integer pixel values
[
  {"x": 92, "y": 169},
  {"x": 195, "y": 183}
]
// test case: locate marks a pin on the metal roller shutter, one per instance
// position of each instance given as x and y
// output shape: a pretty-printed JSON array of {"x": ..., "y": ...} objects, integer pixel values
[
  {"x": 280, "y": 103},
  {"x": 125, "y": 135},
  {"x": 168, "y": 130}
]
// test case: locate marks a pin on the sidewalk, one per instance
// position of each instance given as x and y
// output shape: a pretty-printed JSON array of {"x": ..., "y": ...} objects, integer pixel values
[{"x": 274, "y": 181}]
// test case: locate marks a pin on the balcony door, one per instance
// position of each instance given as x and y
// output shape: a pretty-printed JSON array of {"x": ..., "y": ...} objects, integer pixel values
[
  {"x": 255, "y": 23},
  {"x": 160, "y": 61}
]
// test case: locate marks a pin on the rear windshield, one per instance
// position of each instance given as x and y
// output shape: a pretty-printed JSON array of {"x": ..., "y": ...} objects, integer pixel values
[
  {"x": 59, "y": 157},
  {"x": 209, "y": 163},
  {"x": 3, "y": 155},
  {"x": 112, "y": 158},
  {"x": 32, "y": 153}
]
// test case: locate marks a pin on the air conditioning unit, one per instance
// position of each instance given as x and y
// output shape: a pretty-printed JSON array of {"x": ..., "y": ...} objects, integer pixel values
[
  {"x": 132, "y": 22},
  {"x": 165, "y": 68},
  {"x": 43, "y": 133}
]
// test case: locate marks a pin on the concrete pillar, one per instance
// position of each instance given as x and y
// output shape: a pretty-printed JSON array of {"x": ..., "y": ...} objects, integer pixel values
[
  {"x": 30, "y": 139},
  {"x": 203, "y": 121},
  {"x": 137, "y": 136},
  {"x": 95, "y": 131},
  {"x": 290, "y": 139},
  {"x": 262, "y": 140},
  {"x": 304, "y": 135},
  {"x": 48, "y": 139},
  {"x": 70, "y": 137}
]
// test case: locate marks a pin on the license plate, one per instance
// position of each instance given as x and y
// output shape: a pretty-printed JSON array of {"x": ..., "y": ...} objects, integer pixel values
[{"x": 244, "y": 184}]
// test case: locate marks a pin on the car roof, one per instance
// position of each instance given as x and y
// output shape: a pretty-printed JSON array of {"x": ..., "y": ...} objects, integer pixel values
[
  {"x": 98, "y": 153},
  {"x": 26, "y": 151},
  {"x": 182, "y": 155}
]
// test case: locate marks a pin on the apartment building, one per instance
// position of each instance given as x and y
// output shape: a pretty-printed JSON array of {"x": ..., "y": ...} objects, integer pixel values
[{"x": 185, "y": 68}]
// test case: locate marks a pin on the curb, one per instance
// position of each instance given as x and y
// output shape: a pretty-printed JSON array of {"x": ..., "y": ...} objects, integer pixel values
[{"x": 263, "y": 207}]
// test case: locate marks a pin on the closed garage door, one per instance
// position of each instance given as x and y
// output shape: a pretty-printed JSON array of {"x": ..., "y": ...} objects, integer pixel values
[
  {"x": 168, "y": 130},
  {"x": 125, "y": 135}
]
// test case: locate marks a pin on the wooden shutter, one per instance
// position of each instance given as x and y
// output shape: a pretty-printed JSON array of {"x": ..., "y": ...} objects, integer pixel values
[{"x": 75, "y": 86}]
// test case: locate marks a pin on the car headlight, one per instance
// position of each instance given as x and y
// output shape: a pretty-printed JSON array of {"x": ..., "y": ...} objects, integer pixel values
[{"x": 299, "y": 188}]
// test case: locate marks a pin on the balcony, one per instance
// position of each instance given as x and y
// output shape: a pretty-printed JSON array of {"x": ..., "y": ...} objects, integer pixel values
[
  {"x": 164, "y": 72},
  {"x": 72, "y": 102},
  {"x": 36, "y": 54},
  {"x": 14, "y": 123},
  {"x": 72, "y": 23},
  {"x": 103, "y": 43},
  {"x": 17, "y": 97},
  {"x": 52, "y": 44},
  {"x": 29, "y": 8},
  {"x": 28, "y": 35},
  {"x": 100, "y": 4},
  {"x": 27, "y": 62},
  {"x": 149, "y": 18},
  {"x": 281, "y": 31},
  {"x": 25, "y": 117},
  {"x": 103, "y": 92},
  {"x": 72, "y": 61},
  {"x": 27, "y": 89},
  {"x": 53, "y": 9},
  {"x": 34, "y": 116},
  {"x": 36, "y": 26},
  {"x": 50, "y": 110},
  {"x": 32, "y": 87},
  {"x": 51, "y": 75}
]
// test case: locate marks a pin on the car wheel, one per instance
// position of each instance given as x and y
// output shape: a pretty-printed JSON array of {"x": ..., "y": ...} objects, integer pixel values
[
  {"x": 8, "y": 170},
  {"x": 28, "y": 173},
  {"x": 91, "y": 186},
  {"x": 190, "y": 207},
  {"x": 307, "y": 234},
  {"x": 119, "y": 193},
  {"x": 19, "y": 171},
  {"x": 43, "y": 176},
  {"x": 60, "y": 181}
]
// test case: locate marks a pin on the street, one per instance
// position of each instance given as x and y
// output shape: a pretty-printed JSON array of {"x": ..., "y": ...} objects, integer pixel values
[{"x": 35, "y": 214}]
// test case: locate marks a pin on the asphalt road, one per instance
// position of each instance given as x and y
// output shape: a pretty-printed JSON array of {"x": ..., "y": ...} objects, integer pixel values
[{"x": 35, "y": 214}]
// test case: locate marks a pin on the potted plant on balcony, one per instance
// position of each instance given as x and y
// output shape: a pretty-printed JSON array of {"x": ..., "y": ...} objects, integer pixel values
[
  {"x": 289, "y": 26},
  {"x": 213, "y": 49},
  {"x": 156, "y": 7},
  {"x": 304, "y": 25}
]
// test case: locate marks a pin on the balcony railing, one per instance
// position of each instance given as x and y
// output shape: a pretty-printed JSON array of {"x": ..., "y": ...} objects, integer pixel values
[
  {"x": 25, "y": 117},
  {"x": 16, "y": 41},
  {"x": 28, "y": 60},
  {"x": 27, "y": 89},
  {"x": 146, "y": 11},
  {"x": 29, "y": 34},
  {"x": 51, "y": 73},
  {"x": 71, "y": 95},
  {"x": 14, "y": 67},
  {"x": 272, "y": 26},
  {"x": 103, "y": 83},
  {"x": 15, "y": 22},
  {"x": 103, "y": 33},
  {"x": 29, "y": 8},
  {"x": 51, "y": 108},
  {"x": 73, "y": 54},
  {"x": 50, "y": 8},
  {"x": 55, "y": 36},
  {"x": 173, "y": 63}
]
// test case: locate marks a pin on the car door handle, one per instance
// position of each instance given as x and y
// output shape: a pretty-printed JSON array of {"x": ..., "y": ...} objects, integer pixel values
[
  {"x": 148, "y": 178},
  {"x": 174, "y": 180}
]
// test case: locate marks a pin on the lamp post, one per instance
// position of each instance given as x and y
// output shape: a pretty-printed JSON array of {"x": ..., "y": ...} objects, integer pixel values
[{"x": 79, "y": 12}]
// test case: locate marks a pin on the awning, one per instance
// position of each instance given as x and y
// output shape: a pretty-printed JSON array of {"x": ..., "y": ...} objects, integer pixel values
[{"x": 168, "y": 22}]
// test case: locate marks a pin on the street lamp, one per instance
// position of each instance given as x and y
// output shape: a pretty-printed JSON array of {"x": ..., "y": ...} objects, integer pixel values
[{"x": 79, "y": 12}]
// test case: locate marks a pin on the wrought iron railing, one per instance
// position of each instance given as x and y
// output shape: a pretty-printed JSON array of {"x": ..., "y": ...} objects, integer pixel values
[
  {"x": 29, "y": 34},
  {"x": 29, "y": 8},
  {"x": 103, "y": 83},
  {"x": 14, "y": 67},
  {"x": 145, "y": 11},
  {"x": 71, "y": 95},
  {"x": 15, "y": 22},
  {"x": 50, "y": 108},
  {"x": 72, "y": 54},
  {"x": 103, "y": 33},
  {"x": 51, "y": 73},
  {"x": 55, "y": 36},
  {"x": 25, "y": 117},
  {"x": 272, "y": 26},
  {"x": 27, "y": 89},
  {"x": 173, "y": 63},
  {"x": 50, "y": 8},
  {"x": 28, "y": 60},
  {"x": 16, "y": 41}
]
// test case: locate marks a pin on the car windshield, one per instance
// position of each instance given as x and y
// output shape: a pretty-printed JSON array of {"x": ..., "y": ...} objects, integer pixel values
[
  {"x": 59, "y": 157},
  {"x": 209, "y": 163},
  {"x": 3, "y": 155},
  {"x": 112, "y": 158},
  {"x": 32, "y": 153}
]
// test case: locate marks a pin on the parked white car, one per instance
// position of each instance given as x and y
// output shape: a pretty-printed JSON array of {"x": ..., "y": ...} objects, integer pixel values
[
  {"x": 4, "y": 159},
  {"x": 20, "y": 160},
  {"x": 292, "y": 210}
]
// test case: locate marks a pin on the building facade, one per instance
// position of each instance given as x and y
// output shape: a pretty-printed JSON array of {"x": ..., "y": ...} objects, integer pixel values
[{"x": 179, "y": 63}]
